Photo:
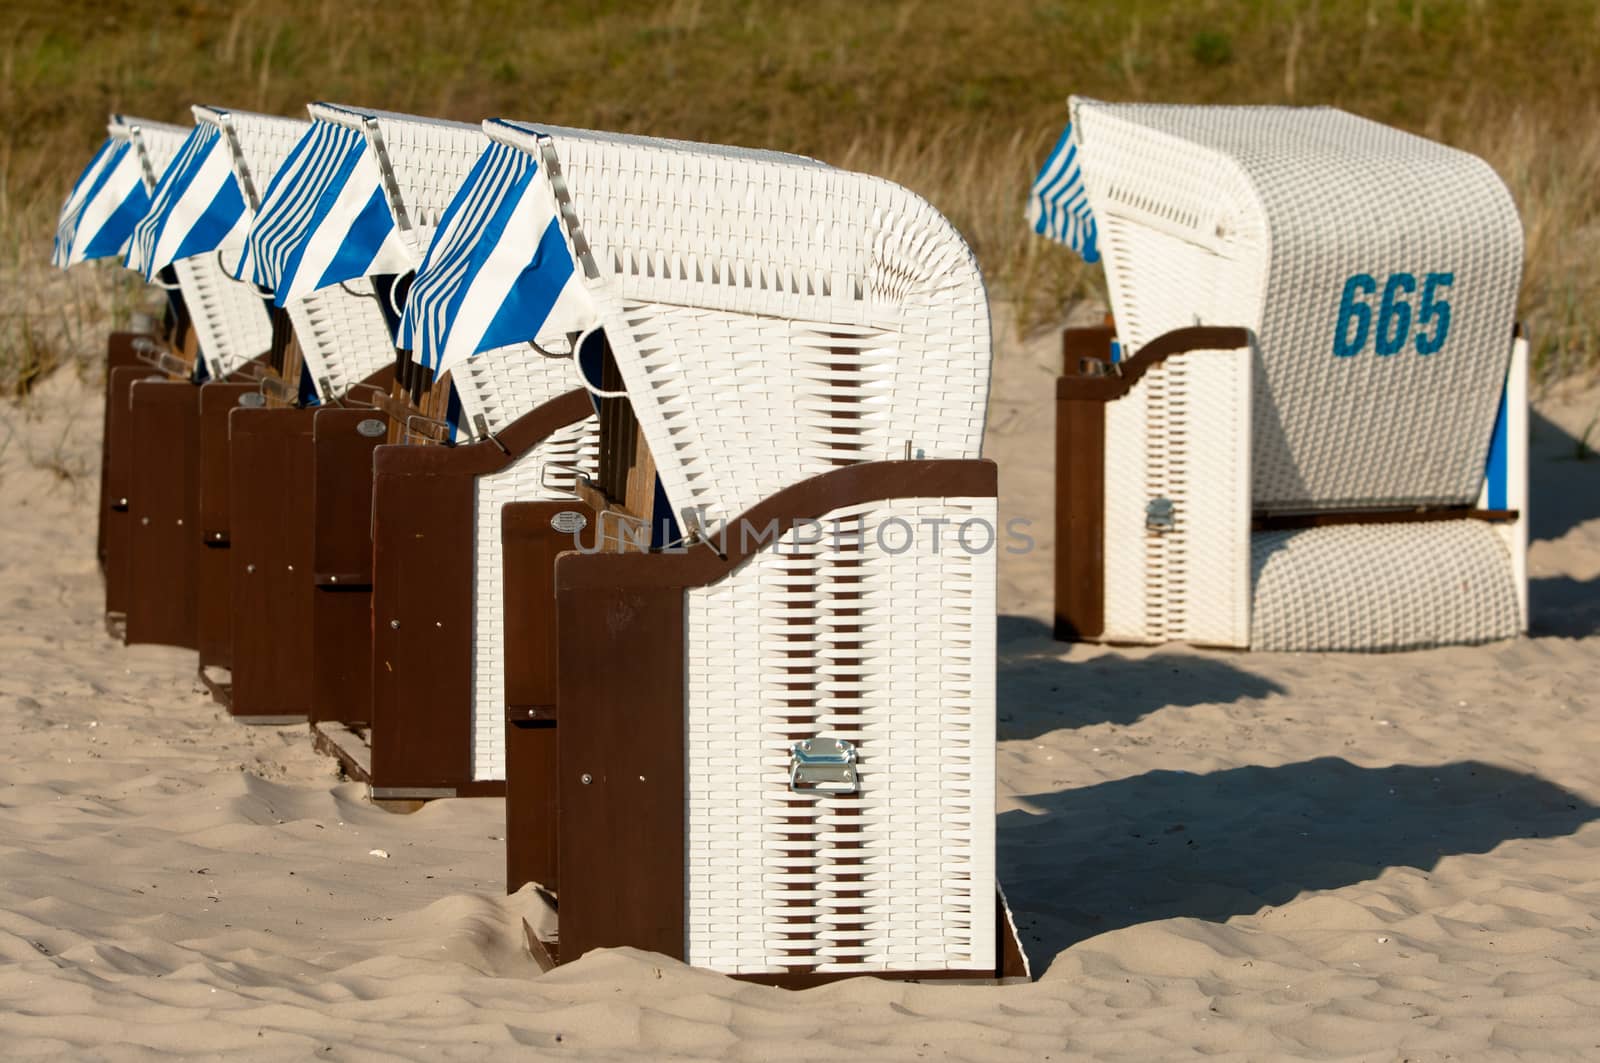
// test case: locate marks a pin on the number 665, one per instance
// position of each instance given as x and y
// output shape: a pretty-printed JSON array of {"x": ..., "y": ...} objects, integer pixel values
[{"x": 1394, "y": 314}]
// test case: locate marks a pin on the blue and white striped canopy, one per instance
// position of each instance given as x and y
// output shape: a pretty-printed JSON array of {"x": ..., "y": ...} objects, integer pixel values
[
  {"x": 1058, "y": 207},
  {"x": 498, "y": 271},
  {"x": 196, "y": 207},
  {"x": 108, "y": 200},
  {"x": 323, "y": 219}
]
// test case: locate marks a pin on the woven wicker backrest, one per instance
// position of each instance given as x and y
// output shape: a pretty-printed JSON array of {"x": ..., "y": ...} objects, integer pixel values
[
  {"x": 156, "y": 142},
  {"x": 772, "y": 317},
  {"x": 1378, "y": 271}
]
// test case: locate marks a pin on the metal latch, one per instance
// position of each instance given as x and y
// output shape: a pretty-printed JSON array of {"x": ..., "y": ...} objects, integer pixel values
[
  {"x": 1159, "y": 515},
  {"x": 823, "y": 766}
]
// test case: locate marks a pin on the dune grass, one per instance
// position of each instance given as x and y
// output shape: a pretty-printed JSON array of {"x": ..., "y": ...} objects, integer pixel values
[{"x": 959, "y": 101}]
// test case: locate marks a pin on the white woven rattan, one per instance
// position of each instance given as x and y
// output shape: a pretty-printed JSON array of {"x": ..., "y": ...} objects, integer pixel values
[
  {"x": 423, "y": 162},
  {"x": 343, "y": 332},
  {"x": 1257, "y": 216},
  {"x": 546, "y": 472},
  {"x": 834, "y": 634},
  {"x": 774, "y": 319},
  {"x": 1270, "y": 218},
  {"x": 229, "y": 319}
]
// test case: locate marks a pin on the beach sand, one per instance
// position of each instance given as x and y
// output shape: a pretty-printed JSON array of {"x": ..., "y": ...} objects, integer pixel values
[{"x": 1240, "y": 856}]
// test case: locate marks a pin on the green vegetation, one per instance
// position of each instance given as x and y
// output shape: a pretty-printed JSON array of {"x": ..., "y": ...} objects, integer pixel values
[{"x": 959, "y": 101}]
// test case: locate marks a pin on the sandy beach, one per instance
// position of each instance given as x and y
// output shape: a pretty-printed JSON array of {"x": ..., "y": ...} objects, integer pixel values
[{"x": 1230, "y": 855}]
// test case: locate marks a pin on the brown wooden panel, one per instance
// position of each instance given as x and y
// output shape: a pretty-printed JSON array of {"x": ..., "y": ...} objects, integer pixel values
[
  {"x": 343, "y": 494},
  {"x": 423, "y": 532},
  {"x": 342, "y": 564},
  {"x": 119, "y": 355},
  {"x": 1092, "y": 343},
  {"x": 620, "y": 769},
  {"x": 118, "y": 472},
  {"x": 530, "y": 544},
  {"x": 1080, "y": 519},
  {"x": 531, "y": 804},
  {"x": 163, "y": 497},
  {"x": 271, "y": 521},
  {"x": 422, "y": 627},
  {"x": 341, "y": 655},
  {"x": 1260, "y": 522},
  {"x": 1107, "y": 381},
  {"x": 215, "y": 601}
]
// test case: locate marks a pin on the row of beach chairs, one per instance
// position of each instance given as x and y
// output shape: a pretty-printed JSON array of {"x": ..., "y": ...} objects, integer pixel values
[{"x": 639, "y": 481}]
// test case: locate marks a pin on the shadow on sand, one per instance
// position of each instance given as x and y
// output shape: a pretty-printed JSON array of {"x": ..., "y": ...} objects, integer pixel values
[
  {"x": 1039, "y": 693},
  {"x": 1172, "y": 843},
  {"x": 1563, "y": 483}
]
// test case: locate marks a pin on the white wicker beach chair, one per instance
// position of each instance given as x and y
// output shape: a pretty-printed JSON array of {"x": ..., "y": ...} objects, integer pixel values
[
  {"x": 798, "y": 728},
  {"x": 1352, "y": 478},
  {"x": 438, "y": 730},
  {"x": 343, "y": 332},
  {"x": 114, "y": 195}
]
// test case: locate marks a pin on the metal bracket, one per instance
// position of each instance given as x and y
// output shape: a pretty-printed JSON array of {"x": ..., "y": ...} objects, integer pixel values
[
  {"x": 1160, "y": 515},
  {"x": 225, "y": 124},
  {"x": 391, "y": 187},
  {"x": 823, "y": 766},
  {"x": 159, "y": 356},
  {"x": 569, "y": 214}
]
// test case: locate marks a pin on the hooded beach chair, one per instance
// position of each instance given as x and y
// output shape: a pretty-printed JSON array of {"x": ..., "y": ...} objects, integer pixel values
[
  {"x": 149, "y": 463},
  {"x": 767, "y": 748},
  {"x": 518, "y": 427},
  {"x": 257, "y": 445},
  {"x": 1308, "y": 430}
]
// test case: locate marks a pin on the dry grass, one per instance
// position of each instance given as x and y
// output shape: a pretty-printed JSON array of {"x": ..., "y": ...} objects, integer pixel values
[{"x": 957, "y": 101}]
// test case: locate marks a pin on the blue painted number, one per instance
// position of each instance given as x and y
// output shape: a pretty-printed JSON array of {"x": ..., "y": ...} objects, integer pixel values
[
  {"x": 1434, "y": 308},
  {"x": 1353, "y": 306},
  {"x": 1355, "y": 322}
]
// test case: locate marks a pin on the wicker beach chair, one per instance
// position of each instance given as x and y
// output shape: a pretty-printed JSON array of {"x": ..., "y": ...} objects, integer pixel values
[
  {"x": 768, "y": 748},
  {"x": 1335, "y": 458},
  {"x": 519, "y": 429},
  {"x": 257, "y": 448},
  {"x": 213, "y": 328},
  {"x": 96, "y": 222}
]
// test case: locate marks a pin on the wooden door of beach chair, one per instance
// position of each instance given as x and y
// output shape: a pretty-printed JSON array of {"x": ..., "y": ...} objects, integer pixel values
[
  {"x": 775, "y": 741},
  {"x": 520, "y": 429},
  {"x": 1349, "y": 475}
]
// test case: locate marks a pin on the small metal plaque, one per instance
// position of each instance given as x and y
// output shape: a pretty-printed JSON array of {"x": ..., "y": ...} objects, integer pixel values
[
  {"x": 253, "y": 399},
  {"x": 1160, "y": 515},
  {"x": 823, "y": 766},
  {"x": 569, "y": 522},
  {"x": 372, "y": 428}
]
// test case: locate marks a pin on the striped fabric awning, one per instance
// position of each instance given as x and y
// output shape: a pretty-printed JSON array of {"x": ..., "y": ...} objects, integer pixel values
[
  {"x": 498, "y": 271},
  {"x": 1058, "y": 207},
  {"x": 323, "y": 220},
  {"x": 108, "y": 200},
  {"x": 196, "y": 207}
]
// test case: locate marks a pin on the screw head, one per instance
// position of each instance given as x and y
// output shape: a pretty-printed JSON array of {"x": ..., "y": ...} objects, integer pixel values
[
  {"x": 586, "y": 778},
  {"x": 249, "y": 568},
  {"x": 395, "y": 624}
]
